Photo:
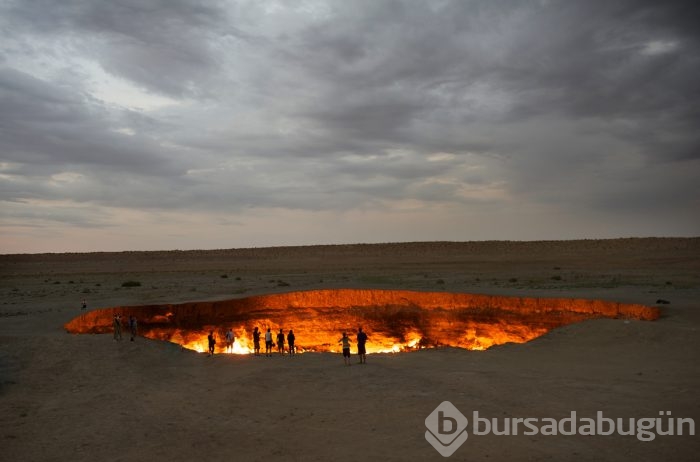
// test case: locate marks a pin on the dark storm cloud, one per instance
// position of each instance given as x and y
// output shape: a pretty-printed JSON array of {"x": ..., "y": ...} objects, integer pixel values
[
  {"x": 629, "y": 67},
  {"x": 46, "y": 124},
  {"x": 165, "y": 46},
  {"x": 575, "y": 59},
  {"x": 336, "y": 105}
]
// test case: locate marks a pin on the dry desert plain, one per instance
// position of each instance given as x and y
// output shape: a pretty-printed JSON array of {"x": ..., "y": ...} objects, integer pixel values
[{"x": 88, "y": 397}]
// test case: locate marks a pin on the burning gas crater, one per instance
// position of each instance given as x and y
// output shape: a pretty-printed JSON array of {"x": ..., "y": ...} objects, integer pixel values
[{"x": 396, "y": 320}]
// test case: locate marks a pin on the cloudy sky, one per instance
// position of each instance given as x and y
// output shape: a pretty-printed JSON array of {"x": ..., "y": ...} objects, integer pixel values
[{"x": 176, "y": 124}]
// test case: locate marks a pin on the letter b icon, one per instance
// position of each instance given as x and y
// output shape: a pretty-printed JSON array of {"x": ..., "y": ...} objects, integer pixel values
[
  {"x": 446, "y": 428},
  {"x": 442, "y": 428}
]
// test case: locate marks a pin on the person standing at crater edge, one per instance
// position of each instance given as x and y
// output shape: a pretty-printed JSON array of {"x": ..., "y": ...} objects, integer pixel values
[
  {"x": 212, "y": 342},
  {"x": 290, "y": 342},
  {"x": 268, "y": 342},
  {"x": 256, "y": 341},
  {"x": 345, "y": 340},
  {"x": 230, "y": 339},
  {"x": 280, "y": 342},
  {"x": 133, "y": 327},
  {"x": 361, "y": 350},
  {"x": 117, "y": 327}
]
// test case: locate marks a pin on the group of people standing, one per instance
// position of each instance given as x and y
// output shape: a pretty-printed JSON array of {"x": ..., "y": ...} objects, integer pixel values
[
  {"x": 269, "y": 342},
  {"x": 133, "y": 327},
  {"x": 290, "y": 339},
  {"x": 361, "y": 346}
]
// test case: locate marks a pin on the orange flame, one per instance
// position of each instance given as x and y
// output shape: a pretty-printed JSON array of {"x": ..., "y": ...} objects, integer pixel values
[{"x": 394, "y": 320}]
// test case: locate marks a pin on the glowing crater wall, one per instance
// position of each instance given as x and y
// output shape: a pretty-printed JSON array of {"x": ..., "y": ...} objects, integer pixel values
[{"x": 394, "y": 319}]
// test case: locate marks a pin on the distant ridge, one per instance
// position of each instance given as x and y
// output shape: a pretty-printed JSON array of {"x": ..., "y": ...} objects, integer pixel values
[{"x": 635, "y": 243}]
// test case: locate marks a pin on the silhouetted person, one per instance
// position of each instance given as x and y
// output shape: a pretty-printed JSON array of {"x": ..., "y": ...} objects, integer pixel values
[
  {"x": 230, "y": 339},
  {"x": 133, "y": 327},
  {"x": 346, "y": 348},
  {"x": 280, "y": 342},
  {"x": 290, "y": 342},
  {"x": 268, "y": 342},
  {"x": 212, "y": 342},
  {"x": 256, "y": 341},
  {"x": 361, "y": 350},
  {"x": 84, "y": 305},
  {"x": 117, "y": 327}
]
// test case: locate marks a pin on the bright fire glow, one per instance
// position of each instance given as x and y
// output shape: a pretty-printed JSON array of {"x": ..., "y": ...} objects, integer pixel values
[
  {"x": 471, "y": 338},
  {"x": 395, "y": 321}
]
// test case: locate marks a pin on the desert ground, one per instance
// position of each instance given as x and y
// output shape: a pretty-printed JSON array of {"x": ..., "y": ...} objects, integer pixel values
[{"x": 89, "y": 397}]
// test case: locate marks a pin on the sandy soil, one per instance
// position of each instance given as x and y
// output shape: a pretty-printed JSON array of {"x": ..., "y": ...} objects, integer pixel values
[{"x": 87, "y": 397}]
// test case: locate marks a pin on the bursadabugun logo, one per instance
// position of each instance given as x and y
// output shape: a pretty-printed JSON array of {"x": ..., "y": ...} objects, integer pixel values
[{"x": 447, "y": 426}]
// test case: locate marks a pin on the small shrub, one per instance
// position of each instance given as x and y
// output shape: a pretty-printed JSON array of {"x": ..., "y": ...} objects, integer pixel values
[
  {"x": 440, "y": 282},
  {"x": 282, "y": 283},
  {"x": 238, "y": 278},
  {"x": 513, "y": 280},
  {"x": 224, "y": 276},
  {"x": 131, "y": 284},
  {"x": 556, "y": 278}
]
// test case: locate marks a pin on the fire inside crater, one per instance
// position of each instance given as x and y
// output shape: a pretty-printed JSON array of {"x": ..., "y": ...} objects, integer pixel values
[{"x": 396, "y": 320}]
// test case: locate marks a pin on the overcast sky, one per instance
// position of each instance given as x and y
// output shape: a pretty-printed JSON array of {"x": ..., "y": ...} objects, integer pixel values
[{"x": 174, "y": 124}]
